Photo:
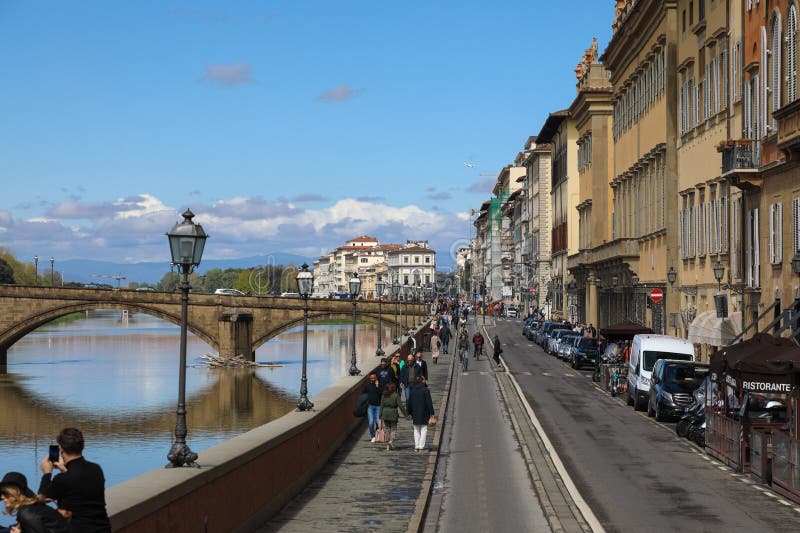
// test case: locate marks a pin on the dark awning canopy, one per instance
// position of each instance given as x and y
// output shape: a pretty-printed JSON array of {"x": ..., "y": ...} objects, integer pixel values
[
  {"x": 624, "y": 330},
  {"x": 762, "y": 363}
]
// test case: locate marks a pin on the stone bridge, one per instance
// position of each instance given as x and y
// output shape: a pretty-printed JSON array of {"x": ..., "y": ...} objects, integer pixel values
[{"x": 232, "y": 325}]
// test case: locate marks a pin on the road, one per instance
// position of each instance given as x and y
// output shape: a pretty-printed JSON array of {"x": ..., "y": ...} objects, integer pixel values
[{"x": 634, "y": 473}]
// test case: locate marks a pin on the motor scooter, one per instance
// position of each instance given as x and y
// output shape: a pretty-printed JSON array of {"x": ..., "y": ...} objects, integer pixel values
[{"x": 690, "y": 417}]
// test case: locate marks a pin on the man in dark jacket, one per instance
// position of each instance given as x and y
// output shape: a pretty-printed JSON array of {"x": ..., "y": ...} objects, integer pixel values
[
  {"x": 385, "y": 374},
  {"x": 422, "y": 366},
  {"x": 373, "y": 391},
  {"x": 407, "y": 376},
  {"x": 420, "y": 407},
  {"x": 497, "y": 351},
  {"x": 80, "y": 488},
  {"x": 444, "y": 335}
]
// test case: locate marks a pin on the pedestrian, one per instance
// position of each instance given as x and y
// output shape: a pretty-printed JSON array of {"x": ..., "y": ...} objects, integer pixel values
[
  {"x": 395, "y": 366},
  {"x": 436, "y": 346},
  {"x": 79, "y": 489},
  {"x": 477, "y": 341},
  {"x": 390, "y": 413},
  {"x": 385, "y": 373},
  {"x": 422, "y": 366},
  {"x": 463, "y": 350},
  {"x": 373, "y": 391},
  {"x": 420, "y": 407},
  {"x": 412, "y": 342},
  {"x": 33, "y": 515},
  {"x": 407, "y": 375},
  {"x": 497, "y": 350},
  {"x": 444, "y": 335}
]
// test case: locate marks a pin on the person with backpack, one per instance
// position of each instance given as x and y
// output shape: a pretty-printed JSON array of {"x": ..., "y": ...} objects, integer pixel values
[{"x": 477, "y": 341}]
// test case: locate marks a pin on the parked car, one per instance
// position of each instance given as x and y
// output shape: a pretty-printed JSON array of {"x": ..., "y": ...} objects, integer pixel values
[
  {"x": 511, "y": 311},
  {"x": 554, "y": 336},
  {"x": 645, "y": 351},
  {"x": 672, "y": 385},
  {"x": 565, "y": 345},
  {"x": 529, "y": 328},
  {"x": 290, "y": 294},
  {"x": 584, "y": 352},
  {"x": 229, "y": 292},
  {"x": 543, "y": 336}
]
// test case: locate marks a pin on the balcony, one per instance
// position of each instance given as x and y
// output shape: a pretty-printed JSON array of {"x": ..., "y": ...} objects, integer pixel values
[
  {"x": 624, "y": 250},
  {"x": 740, "y": 161},
  {"x": 788, "y": 118}
]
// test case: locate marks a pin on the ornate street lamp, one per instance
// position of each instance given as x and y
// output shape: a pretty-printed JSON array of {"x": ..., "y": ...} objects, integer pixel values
[
  {"x": 395, "y": 295},
  {"x": 719, "y": 271},
  {"x": 36, "y": 268},
  {"x": 672, "y": 275},
  {"x": 52, "y": 271},
  {"x": 186, "y": 243},
  {"x": 355, "y": 288},
  {"x": 305, "y": 284},
  {"x": 381, "y": 286}
]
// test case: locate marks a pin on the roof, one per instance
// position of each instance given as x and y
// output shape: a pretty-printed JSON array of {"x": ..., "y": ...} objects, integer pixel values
[
  {"x": 388, "y": 247},
  {"x": 624, "y": 330},
  {"x": 364, "y": 238},
  {"x": 530, "y": 142},
  {"x": 552, "y": 123},
  {"x": 762, "y": 357},
  {"x": 414, "y": 249}
]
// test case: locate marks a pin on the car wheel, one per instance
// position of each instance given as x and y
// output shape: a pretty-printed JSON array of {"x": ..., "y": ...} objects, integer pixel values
[
  {"x": 659, "y": 416},
  {"x": 650, "y": 411},
  {"x": 574, "y": 363},
  {"x": 637, "y": 403}
]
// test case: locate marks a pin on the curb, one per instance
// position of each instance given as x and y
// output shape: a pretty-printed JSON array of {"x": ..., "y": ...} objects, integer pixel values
[{"x": 416, "y": 524}]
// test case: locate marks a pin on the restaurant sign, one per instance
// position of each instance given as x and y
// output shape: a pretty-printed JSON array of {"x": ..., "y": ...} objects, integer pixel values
[{"x": 757, "y": 385}]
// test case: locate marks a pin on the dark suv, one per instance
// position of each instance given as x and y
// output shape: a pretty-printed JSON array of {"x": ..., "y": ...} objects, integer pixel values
[
  {"x": 585, "y": 352},
  {"x": 672, "y": 385}
]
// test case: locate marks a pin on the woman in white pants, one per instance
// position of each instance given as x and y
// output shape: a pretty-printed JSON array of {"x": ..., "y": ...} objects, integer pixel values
[{"x": 420, "y": 407}]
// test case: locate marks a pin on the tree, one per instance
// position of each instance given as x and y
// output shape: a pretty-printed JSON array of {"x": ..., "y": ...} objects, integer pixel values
[{"x": 6, "y": 273}]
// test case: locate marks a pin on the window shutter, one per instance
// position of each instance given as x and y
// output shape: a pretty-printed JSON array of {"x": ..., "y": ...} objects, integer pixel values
[
  {"x": 756, "y": 251},
  {"x": 796, "y": 225},
  {"x": 776, "y": 67},
  {"x": 764, "y": 69},
  {"x": 772, "y": 233},
  {"x": 681, "y": 240},
  {"x": 791, "y": 54},
  {"x": 778, "y": 232},
  {"x": 736, "y": 245},
  {"x": 707, "y": 92},
  {"x": 756, "y": 124},
  {"x": 748, "y": 134}
]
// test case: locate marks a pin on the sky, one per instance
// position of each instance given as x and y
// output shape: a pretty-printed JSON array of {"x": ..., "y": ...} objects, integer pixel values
[{"x": 285, "y": 125}]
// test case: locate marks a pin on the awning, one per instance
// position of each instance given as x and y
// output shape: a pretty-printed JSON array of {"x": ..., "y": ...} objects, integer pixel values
[
  {"x": 624, "y": 330},
  {"x": 760, "y": 359},
  {"x": 706, "y": 328}
]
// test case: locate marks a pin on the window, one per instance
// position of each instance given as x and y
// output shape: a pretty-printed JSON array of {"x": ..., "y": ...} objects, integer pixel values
[
  {"x": 701, "y": 10},
  {"x": 405, "y": 279},
  {"x": 405, "y": 259},
  {"x": 364, "y": 259},
  {"x": 683, "y": 21},
  {"x": 427, "y": 279},
  {"x": 427, "y": 259},
  {"x": 734, "y": 68},
  {"x": 796, "y": 225},
  {"x": 791, "y": 54},
  {"x": 775, "y": 233},
  {"x": 764, "y": 66},
  {"x": 753, "y": 259},
  {"x": 416, "y": 259},
  {"x": 691, "y": 14},
  {"x": 775, "y": 68}
]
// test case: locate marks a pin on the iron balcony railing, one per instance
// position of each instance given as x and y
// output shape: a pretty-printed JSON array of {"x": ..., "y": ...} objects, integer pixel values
[{"x": 739, "y": 155}]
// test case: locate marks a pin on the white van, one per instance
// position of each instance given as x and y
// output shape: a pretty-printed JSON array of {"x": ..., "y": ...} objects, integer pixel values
[{"x": 645, "y": 351}]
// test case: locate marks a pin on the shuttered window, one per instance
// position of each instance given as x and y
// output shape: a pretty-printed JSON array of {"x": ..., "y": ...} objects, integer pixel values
[
  {"x": 791, "y": 54},
  {"x": 764, "y": 69},
  {"x": 775, "y": 59}
]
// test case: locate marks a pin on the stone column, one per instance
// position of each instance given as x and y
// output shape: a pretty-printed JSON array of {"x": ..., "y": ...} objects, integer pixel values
[
  {"x": 236, "y": 335},
  {"x": 592, "y": 306}
]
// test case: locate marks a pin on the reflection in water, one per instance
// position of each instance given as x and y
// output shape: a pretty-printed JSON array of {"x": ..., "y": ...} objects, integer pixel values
[{"x": 118, "y": 383}]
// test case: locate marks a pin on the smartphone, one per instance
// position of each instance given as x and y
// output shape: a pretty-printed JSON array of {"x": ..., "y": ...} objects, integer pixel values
[{"x": 53, "y": 453}]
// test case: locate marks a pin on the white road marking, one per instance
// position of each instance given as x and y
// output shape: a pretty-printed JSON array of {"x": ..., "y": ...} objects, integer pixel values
[
  {"x": 546, "y": 374},
  {"x": 569, "y": 375}
]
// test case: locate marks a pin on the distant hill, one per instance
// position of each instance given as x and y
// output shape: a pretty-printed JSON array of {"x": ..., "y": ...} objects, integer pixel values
[{"x": 90, "y": 271}]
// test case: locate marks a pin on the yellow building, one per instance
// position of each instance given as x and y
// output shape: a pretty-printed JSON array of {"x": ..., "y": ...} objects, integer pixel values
[{"x": 641, "y": 58}]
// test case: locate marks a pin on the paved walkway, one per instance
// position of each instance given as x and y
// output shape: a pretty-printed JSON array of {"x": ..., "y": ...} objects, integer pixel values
[{"x": 364, "y": 487}]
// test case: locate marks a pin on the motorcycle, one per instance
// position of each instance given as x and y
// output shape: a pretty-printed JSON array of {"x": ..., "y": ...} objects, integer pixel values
[{"x": 690, "y": 418}]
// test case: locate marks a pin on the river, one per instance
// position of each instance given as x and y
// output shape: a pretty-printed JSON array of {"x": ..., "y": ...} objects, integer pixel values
[{"x": 117, "y": 380}]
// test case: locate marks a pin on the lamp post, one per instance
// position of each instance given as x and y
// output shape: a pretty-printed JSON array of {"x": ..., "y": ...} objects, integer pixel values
[
  {"x": 186, "y": 243},
  {"x": 672, "y": 276},
  {"x": 305, "y": 284},
  {"x": 395, "y": 295},
  {"x": 381, "y": 286},
  {"x": 719, "y": 271},
  {"x": 355, "y": 288},
  {"x": 36, "y": 269},
  {"x": 52, "y": 271}
]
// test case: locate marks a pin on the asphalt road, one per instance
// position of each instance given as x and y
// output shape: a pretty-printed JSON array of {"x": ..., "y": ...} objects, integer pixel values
[
  {"x": 635, "y": 474},
  {"x": 486, "y": 483}
]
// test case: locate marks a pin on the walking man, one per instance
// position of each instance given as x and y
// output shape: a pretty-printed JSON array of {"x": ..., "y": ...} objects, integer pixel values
[
  {"x": 497, "y": 350},
  {"x": 477, "y": 340}
]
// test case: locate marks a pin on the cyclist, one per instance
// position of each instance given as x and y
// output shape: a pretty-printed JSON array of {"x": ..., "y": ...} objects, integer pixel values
[{"x": 477, "y": 341}]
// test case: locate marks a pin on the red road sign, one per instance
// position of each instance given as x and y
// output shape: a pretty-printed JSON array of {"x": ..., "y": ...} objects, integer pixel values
[
  {"x": 532, "y": 289},
  {"x": 656, "y": 295}
]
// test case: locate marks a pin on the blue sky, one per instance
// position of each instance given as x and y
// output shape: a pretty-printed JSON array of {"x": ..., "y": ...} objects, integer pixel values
[{"x": 285, "y": 125}]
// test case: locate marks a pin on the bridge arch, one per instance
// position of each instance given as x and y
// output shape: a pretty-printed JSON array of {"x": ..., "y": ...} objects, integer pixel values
[
  {"x": 274, "y": 332},
  {"x": 9, "y": 337}
]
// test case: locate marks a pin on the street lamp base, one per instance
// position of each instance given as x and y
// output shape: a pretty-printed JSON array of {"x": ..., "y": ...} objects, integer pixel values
[
  {"x": 395, "y": 341},
  {"x": 379, "y": 353},
  {"x": 354, "y": 371},
  {"x": 304, "y": 404},
  {"x": 180, "y": 455}
]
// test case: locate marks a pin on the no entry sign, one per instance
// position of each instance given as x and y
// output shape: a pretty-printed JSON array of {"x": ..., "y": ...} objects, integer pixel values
[{"x": 656, "y": 295}]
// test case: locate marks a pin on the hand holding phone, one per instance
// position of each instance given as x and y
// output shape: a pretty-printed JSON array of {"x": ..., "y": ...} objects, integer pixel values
[{"x": 54, "y": 454}]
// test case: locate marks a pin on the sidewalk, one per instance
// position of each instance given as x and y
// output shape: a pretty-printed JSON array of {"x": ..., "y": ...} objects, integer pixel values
[{"x": 364, "y": 487}]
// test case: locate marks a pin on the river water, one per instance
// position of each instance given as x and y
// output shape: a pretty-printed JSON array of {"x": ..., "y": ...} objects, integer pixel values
[{"x": 117, "y": 380}]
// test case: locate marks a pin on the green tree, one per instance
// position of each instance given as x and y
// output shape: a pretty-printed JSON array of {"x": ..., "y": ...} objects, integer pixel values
[{"x": 6, "y": 273}]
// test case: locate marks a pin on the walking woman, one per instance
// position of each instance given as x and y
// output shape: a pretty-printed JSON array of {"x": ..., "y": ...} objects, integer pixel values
[
  {"x": 497, "y": 350},
  {"x": 463, "y": 350},
  {"x": 420, "y": 407},
  {"x": 390, "y": 407},
  {"x": 436, "y": 346},
  {"x": 32, "y": 514}
]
